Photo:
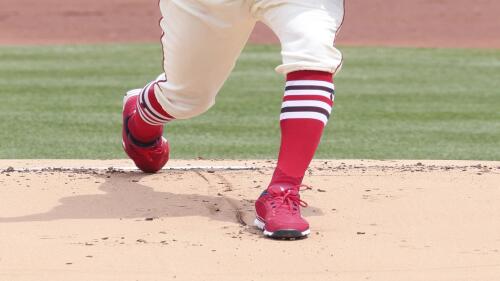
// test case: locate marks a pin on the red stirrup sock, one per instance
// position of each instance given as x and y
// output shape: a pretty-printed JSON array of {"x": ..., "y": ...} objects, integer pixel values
[
  {"x": 146, "y": 124},
  {"x": 306, "y": 107}
]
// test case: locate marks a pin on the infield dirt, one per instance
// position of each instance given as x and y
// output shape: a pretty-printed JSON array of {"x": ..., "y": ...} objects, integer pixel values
[{"x": 371, "y": 220}]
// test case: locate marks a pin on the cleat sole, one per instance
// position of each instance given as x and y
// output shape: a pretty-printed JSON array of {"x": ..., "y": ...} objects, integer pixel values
[{"x": 286, "y": 234}]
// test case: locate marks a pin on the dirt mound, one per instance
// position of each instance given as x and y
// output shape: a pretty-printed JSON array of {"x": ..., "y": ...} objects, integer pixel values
[
  {"x": 429, "y": 23},
  {"x": 371, "y": 220}
]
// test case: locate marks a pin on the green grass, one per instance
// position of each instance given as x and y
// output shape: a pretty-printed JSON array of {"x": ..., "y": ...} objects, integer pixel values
[{"x": 65, "y": 102}]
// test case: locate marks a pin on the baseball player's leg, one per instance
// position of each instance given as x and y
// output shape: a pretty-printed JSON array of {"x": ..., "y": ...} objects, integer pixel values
[
  {"x": 307, "y": 31},
  {"x": 201, "y": 42}
]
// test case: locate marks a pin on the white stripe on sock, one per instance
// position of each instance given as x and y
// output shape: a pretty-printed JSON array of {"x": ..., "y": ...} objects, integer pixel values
[
  {"x": 151, "y": 108},
  {"x": 146, "y": 119},
  {"x": 308, "y": 93},
  {"x": 152, "y": 117},
  {"x": 304, "y": 115}
]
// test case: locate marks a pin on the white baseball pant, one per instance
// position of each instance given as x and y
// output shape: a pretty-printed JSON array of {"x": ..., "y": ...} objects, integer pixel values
[{"x": 203, "y": 38}]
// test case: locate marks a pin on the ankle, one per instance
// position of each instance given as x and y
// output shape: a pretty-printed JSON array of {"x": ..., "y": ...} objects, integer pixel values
[
  {"x": 142, "y": 131},
  {"x": 280, "y": 177}
]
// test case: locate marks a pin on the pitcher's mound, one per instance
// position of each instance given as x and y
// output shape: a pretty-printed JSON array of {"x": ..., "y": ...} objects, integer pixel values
[{"x": 370, "y": 220}]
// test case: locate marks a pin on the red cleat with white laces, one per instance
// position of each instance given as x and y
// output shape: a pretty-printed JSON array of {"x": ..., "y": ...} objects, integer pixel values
[
  {"x": 149, "y": 157},
  {"x": 278, "y": 212}
]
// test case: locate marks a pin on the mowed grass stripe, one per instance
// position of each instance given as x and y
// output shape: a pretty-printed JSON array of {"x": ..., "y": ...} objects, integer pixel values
[{"x": 391, "y": 103}]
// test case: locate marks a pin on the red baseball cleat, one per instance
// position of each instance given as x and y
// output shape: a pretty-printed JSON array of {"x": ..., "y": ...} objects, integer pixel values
[
  {"x": 149, "y": 157},
  {"x": 278, "y": 212}
]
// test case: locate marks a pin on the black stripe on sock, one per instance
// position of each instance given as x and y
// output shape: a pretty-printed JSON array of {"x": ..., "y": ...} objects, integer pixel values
[
  {"x": 306, "y": 109},
  {"x": 306, "y": 87},
  {"x": 145, "y": 106}
]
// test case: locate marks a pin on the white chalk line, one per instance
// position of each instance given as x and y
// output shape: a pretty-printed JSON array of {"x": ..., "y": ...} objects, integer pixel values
[{"x": 132, "y": 169}]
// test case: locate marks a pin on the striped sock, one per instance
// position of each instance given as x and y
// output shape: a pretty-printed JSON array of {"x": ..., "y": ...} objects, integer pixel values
[
  {"x": 146, "y": 125},
  {"x": 306, "y": 107}
]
